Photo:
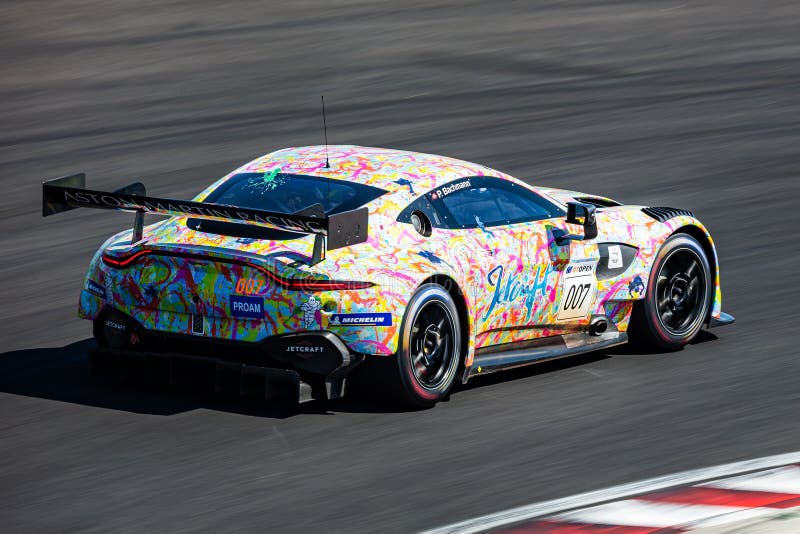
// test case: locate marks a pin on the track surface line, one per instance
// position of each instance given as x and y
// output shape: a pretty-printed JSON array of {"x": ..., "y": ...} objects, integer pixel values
[{"x": 592, "y": 498}]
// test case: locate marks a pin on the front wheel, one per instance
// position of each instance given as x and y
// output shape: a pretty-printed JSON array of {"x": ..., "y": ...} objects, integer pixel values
[{"x": 678, "y": 296}]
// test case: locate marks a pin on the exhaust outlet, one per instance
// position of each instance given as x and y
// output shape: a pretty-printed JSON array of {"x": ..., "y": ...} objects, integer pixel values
[{"x": 598, "y": 326}]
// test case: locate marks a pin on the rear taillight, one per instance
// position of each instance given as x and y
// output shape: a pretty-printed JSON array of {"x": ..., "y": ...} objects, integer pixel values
[
  {"x": 311, "y": 284},
  {"x": 120, "y": 262},
  {"x": 294, "y": 284},
  {"x": 326, "y": 285}
]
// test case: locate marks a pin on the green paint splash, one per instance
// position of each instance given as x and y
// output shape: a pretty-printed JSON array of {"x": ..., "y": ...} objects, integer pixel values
[{"x": 267, "y": 181}]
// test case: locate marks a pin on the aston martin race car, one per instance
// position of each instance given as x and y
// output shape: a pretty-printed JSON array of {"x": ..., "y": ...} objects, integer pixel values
[{"x": 290, "y": 272}]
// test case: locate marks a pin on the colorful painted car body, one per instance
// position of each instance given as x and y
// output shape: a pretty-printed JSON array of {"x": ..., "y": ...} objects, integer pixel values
[{"x": 515, "y": 275}]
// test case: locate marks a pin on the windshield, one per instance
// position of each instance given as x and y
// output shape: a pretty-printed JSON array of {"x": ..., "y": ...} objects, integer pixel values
[{"x": 284, "y": 193}]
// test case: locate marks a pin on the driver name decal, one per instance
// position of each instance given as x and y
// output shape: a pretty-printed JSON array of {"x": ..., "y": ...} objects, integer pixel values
[
  {"x": 513, "y": 287},
  {"x": 447, "y": 189}
]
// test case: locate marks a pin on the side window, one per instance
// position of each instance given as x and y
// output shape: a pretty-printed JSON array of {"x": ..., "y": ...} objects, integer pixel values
[
  {"x": 471, "y": 207},
  {"x": 486, "y": 201},
  {"x": 521, "y": 205}
]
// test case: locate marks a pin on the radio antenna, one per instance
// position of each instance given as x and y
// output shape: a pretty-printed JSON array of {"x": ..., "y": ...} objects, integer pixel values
[{"x": 325, "y": 129}]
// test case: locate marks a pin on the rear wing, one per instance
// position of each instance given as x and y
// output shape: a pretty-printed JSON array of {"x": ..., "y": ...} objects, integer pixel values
[{"x": 330, "y": 231}]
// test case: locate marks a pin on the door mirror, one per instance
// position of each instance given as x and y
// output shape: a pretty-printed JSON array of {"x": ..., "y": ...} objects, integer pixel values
[{"x": 583, "y": 214}]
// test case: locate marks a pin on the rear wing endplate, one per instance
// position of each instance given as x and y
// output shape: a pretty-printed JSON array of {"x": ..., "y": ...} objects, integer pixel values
[{"x": 330, "y": 231}]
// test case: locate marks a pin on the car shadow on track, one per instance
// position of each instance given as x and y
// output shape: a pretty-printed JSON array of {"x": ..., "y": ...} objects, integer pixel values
[
  {"x": 368, "y": 404},
  {"x": 62, "y": 374},
  {"x": 532, "y": 370},
  {"x": 704, "y": 336}
]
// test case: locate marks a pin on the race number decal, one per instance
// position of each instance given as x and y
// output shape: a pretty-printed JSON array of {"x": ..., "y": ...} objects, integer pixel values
[
  {"x": 578, "y": 291},
  {"x": 249, "y": 286}
]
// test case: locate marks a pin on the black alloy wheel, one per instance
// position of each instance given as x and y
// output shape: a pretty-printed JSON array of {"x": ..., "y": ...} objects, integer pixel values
[
  {"x": 430, "y": 352},
  {"x": 680, "y": 288},
  {"x": 432, "y": 343},
  {"x": 678, "y": 296}
]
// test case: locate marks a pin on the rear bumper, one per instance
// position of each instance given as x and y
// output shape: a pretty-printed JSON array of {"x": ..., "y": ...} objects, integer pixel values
[{"x": 304, "y": 365}]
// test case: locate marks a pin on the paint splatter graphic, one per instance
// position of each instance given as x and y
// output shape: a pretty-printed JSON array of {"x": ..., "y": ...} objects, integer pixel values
[
  {"x": 433, "y": 258},
  {"x": 158, "y": 290},
  {"x": 636, "y": 287},
  {"x": 266, "y": 182},
  {"x": 480, "y": 224},
  {"x": 406, "y": 182}
]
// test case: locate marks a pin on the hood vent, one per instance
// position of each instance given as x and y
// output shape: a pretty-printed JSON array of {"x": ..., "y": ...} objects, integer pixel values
[
  {"x": 598, "y": 202},
  {"x": 662, "y": 214}
]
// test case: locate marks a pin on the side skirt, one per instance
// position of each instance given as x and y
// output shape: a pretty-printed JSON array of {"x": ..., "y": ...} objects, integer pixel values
[{"x": 510, "y": 355}]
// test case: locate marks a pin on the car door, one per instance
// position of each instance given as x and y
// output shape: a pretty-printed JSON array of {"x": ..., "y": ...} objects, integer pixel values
[
  {"x": 505, "y": 293},
  {"x": 564, "y": 269}
]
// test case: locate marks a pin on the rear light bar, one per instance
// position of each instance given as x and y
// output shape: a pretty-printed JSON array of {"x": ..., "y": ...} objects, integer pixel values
[
  {"x": 123, "y": 261},
  {"x": 307, "y": 284},
  {"x": 325, "y": 285}
]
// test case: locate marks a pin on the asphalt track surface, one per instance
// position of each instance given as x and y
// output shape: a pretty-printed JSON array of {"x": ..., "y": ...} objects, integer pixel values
[{"x": 686, "y": 104}]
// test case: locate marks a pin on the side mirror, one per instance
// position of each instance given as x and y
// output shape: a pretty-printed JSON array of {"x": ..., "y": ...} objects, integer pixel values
[{"x": 583, "y": 214}]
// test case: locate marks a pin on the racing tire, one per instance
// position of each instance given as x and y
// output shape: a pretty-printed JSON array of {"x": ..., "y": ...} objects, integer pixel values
[
  {"x": 677, "y": 298},
  {"x": 425, "y": 366},
  {"x": 430, "y": 347},
  {"x": 394, "y": 379}
]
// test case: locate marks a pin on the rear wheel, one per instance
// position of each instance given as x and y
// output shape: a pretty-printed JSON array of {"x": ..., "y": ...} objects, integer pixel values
[
  {"x": 678, "y": 296},
  {"x": 428, "y": 355}
]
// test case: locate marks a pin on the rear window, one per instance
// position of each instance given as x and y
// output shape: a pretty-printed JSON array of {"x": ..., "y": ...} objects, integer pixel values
[
  {"x": 285, "y": 193},
  {"x": 290, "y": 193}
]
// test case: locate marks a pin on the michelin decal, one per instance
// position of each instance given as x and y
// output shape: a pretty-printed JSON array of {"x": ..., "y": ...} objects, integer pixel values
[
  {"x": 95, "y": 288},
  {"x": 360, "y": 319}
]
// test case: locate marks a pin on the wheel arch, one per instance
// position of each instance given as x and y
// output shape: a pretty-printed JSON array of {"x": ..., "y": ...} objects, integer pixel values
[
  {"x": 702, "y": 237},
  {"x": 451, "y": 286}
]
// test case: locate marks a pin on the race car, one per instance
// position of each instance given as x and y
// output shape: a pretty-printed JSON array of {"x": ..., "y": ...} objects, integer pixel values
[{"x": 295, "y": 269}]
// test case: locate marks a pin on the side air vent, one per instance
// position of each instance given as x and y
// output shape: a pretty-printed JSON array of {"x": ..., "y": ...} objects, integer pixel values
[
  {"x": 598, "y": 202},
  {"x": 662, "y": 214}
]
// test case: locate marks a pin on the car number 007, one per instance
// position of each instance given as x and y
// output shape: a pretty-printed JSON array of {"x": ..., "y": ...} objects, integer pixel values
[
  {"x": 248, "y": 286},
  {"x": 576, "y": 296}
]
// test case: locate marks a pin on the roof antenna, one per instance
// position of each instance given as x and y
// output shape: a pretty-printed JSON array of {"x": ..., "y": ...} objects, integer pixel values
[{"x": 325, "y": 129}]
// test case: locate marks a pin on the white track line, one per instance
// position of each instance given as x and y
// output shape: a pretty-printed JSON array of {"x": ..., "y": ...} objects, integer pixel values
[
  {"x": 637, "y": 513},
  {"x": 592, "y": 498},
  {"x": 727, "y": 519},
  {"x": 782, "y": 480}
]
